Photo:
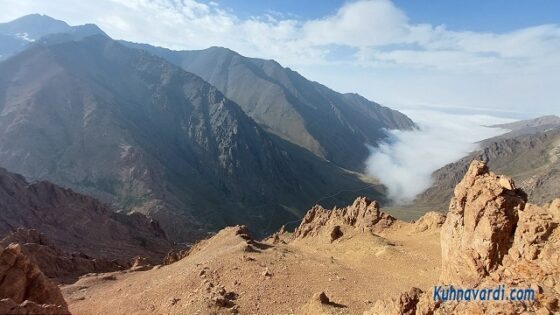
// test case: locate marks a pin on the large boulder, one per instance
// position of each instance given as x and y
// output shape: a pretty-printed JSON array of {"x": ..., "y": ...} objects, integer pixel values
[
  {"x": 405, "y": 304},
  {"x": 431, "y": 221},
  {"x": 24, "y": 288},
  {"x": 480, "y": 224}
]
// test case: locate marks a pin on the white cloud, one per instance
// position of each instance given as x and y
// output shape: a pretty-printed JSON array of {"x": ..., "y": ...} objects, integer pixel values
[
  {"x": 433, "y": 64},
  {"x": 404, "y": 164},
  {"x": 359, "y": 24}
]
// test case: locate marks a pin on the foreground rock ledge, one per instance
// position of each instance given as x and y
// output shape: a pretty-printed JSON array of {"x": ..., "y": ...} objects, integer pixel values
[
  {"x": 24, "y": 289},
  {"x": 491, "y": 236}
]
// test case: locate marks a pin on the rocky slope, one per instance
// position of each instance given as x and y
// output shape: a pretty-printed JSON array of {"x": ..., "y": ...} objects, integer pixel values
[
  {"x": 305, "y": 272},
  {"x": 58, "y": 265},
  {"x": 144, "y": 135},
  {"x": 530, "y": 154},
  {"x": 490, "y": 236},
  {"x": 72, "y": 223},
  {"x": 332, "y": 125}
]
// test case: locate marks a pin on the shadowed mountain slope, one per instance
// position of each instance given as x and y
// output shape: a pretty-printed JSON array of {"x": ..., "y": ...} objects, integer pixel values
[
  {"x": 77, "y": 223},
  {"x": 136, "y": 131},
  {"x": 332, "y": 125}
]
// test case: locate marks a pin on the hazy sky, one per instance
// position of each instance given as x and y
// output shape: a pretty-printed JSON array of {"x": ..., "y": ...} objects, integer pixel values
[{"x": 499, "y": 55}]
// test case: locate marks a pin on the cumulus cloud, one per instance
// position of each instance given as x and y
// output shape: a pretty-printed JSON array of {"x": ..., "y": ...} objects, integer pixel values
[
  {"x": 516, "y": 69},
  {"x": 405, "y": 162}
]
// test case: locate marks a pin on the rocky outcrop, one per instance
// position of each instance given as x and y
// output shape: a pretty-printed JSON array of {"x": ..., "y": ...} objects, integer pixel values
[
  {"x": 405, "y": 304},
  {"x": 430, "y": 221},
  {"x": 363, "y": 216},
  {"x": 76, "y": 223},
  {"x": 492, "y": 236},
  {"x": 279, "y": 237},
  {"x": 24, "y": 289},
  {"x": 554, "y": 208},
  {"x": 478, "y": 231},
  {"x": 175, "y": 255},
  {"x": 53, "y": 262}
]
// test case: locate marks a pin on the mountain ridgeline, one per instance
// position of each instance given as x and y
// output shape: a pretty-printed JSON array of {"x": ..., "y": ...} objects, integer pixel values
[
  {"x": 21, "y": 33},
  {"x": 332, "y": 125},
  {"x": 142, "y": 134}
]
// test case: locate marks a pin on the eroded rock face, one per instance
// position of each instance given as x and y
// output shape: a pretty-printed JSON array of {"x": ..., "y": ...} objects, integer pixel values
[
  {"x": 554, "y": 208},
  {"x": 24, "y": 288},
  {"x": 430, "y": 221},
  {"x": 175, "y": 255},
  {"x": 534, "y": 227},
  {"x": 363, "y": 215},
  {"x": 478, "y": 231},
  {"x": 405, "y": 304},
  {"x": 491, "y": 237},
  {"x": 77, "y": 223},
  {"x": 52, "y": 261}
]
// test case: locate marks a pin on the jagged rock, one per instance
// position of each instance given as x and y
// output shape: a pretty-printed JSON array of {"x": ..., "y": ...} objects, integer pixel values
[
  {"x": 363, "y": 215},
  {"x": 336, "y": 233},
  {"x": 280, "y": 236},
  {"x": 8, "y": 306},
  {"x": 491, "y": 237},
  {"x": 175, "y": 255},
  {"x": 554, "y": 209},
  {"x": 21, "y": 281},
  {"x": 219, "y": 296},
  {"x": 76, "y": 223},
  {"x": 321, "y": 298},
  {"x": 320, "y": 303},
  {"x": 53, "y": 262},
  {"x": 266, "y": 273},
  {"x": 533, "y": 228},
  {"x": 140, "y": 264},
  {"x": 478, "y": 231},
  {"x": 429, "y": 221},
  {"x": 405, "y": 304}
]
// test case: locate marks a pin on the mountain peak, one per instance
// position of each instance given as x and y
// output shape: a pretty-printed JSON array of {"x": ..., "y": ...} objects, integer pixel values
[{"x": 34, "y": 26}]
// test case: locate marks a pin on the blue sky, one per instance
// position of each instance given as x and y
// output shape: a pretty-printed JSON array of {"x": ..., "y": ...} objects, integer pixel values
[
  {"x": 473, "y": 15},
  {"x": 492, "y": 56}
]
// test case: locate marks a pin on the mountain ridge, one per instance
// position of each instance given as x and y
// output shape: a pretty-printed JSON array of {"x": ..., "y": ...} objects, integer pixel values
[
  {"x": 26, "y": 31},
  {"x": 162, "y": 141},
  {"x": 307, "y": 113}
]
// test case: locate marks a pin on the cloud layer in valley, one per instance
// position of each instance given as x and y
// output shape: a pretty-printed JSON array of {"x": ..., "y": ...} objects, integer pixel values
[
  {"x": 368, "y": 46},
  {"x": 405, "y": 162}
]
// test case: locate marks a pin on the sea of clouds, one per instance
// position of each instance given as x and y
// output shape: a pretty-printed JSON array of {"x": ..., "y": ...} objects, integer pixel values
[{"x": 405, "y": 162}]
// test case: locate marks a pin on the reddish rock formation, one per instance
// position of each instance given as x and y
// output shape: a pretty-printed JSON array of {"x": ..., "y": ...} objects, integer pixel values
[
  {"x": 175, "y": 255},
  {"x": 405, "y": 304},
  {"x": 430, "y": 221},
  {"x": 363, "y": 215},
  {"x": 554, "y": 208},
  {"x": 490, "y": 237},
  {"x": 478, "y": 231},
  {"x": 24, "y": 288},
  {"x": 52, "y": 261},
  {"x": 280, "y": 236},
  {"x": 77, "y": 223}
]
